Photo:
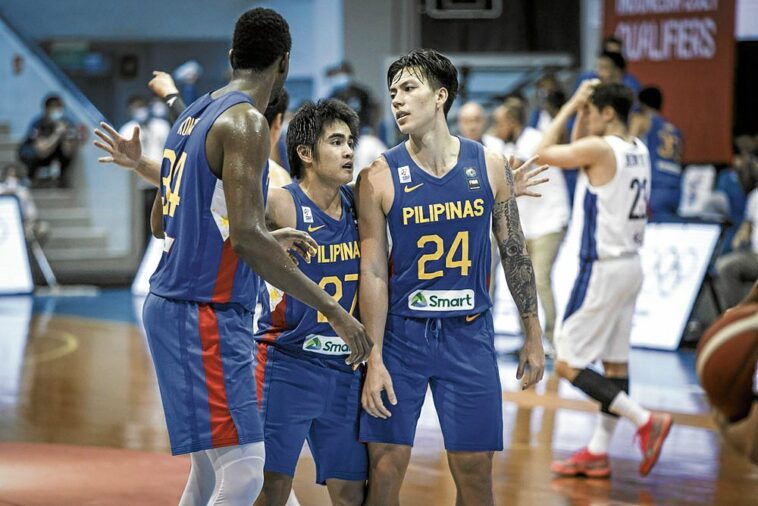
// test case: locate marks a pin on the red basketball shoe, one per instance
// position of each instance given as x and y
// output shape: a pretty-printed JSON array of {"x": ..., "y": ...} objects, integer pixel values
[
  {"x": 583, "y": 463},
  {"x": 651, "y": 437}
]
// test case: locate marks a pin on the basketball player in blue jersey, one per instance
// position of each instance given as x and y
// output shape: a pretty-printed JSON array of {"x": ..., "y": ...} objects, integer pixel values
[
  {"x": 198, "y": 313},
  {"x": 306, "y": 391},
  {"x": 610, "y": 206},
  {"x": 664, "y": 142},
  {"x": 425, "y": 302}
]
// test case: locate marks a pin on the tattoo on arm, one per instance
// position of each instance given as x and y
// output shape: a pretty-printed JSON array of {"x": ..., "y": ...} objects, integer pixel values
[{"x": 517, "y": 265}]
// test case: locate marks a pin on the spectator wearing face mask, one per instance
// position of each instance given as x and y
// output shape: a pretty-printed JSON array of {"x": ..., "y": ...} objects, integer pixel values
[
  {"x": 153, "y": 132},
  {"x": 51, "y": 142}
]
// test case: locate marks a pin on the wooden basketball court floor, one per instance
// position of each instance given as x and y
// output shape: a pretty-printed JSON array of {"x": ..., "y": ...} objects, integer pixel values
[{"x": 81, "y": 423}]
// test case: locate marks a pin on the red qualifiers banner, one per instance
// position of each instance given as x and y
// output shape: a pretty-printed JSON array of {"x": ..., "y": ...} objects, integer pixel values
[{"x": 686, "y": 48}]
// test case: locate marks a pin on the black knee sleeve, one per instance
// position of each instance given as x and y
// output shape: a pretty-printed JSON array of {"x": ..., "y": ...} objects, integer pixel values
[
  {"x": 623, "y": 385},
  {"x": 600, "y": 388}
]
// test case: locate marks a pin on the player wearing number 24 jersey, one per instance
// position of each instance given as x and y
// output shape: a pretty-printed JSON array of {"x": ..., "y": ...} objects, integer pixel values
[
  {"x": 425, "y": 301},
  {"x": 610, "y": 214}
]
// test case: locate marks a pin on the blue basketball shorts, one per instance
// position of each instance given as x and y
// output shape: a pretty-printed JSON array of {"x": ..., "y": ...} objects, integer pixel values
[
  {"x": 203, "y": 357},
  {"x": 456, "y": 358},
  {"x": 310, "y": 399}
]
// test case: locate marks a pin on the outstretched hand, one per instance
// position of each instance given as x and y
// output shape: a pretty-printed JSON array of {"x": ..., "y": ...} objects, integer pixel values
[
  {"x": 524, "y": 178},
  {"x": 121, "y": 151}
]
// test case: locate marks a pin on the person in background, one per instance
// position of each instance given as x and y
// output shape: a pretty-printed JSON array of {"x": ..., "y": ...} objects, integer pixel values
[
  {"x": 186, "y": 76},
  {"x": 51, "y": 141},
  {"x": 611, "y": 45},
  {"x": 550, "y": 99},
  {"x": 543, "y": 220},
  {"x": 472, "y": 123},
  {"x": 344, "y": 88},
  {"x": 738, "y": 270},
  {"x": 152, "y": 134},
  {"x": 12, "y": 183},
  {"x": 664, "y": 141}
]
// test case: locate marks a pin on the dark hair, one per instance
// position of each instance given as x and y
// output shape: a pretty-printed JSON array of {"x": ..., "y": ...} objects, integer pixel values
[
  {"x": 556, "y": 98},
  {"x": 651, "y": 96},
  {"x": 616, "y": 96},
  {"x": 261, "y": 36},
  {"x": 277, "y": 105},
  {"x": 612, "y": 40},
  {"x": 309, "y": 123},
  {"x": 435, "y": 67},
  {"x": 341, "y": 67},
  {"x": 514, "y": 109},
  {"x": 52, "y": 99},
  {"x": 616, "y": 58},
  {"x": 134, "y": 99}
]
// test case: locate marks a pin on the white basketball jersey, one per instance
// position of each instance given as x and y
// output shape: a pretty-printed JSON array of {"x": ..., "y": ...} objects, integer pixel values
[{"x": 612, "y": 217}]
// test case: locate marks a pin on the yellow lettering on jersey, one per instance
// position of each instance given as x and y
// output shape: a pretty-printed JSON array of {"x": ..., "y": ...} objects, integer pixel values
[
  {"x": 339, "y": 252},
  {"x": 454, "y": 210},
  {"x": 446, "y": 211}
]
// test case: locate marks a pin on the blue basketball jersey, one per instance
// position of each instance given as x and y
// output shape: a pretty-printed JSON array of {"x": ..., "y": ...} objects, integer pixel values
[
  {"x": 440, "y": 234},
  {"x": 287, "y": 323},
  {"x": 664, "y": 141},
  {"x": 198, "y": 262}
]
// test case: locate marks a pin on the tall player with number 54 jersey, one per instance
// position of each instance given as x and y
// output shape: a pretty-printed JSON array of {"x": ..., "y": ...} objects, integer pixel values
[
  {"x": 197, "y": 317},
  {"x": 424, "y": 298},
  {"x": 610, "y": 207}
]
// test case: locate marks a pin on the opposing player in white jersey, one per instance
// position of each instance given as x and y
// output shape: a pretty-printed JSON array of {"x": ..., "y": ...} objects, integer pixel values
[{"x": 610, "y": 207}]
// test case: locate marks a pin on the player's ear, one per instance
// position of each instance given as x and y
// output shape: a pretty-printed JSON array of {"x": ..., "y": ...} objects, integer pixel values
[
  {"x": 305, "y": 154},
  {"x": 441, "y": 97},
  {"x": 231, "y": 57},
  {"x": 608, "y": 113},
  {"x": 284, "y": 63}
]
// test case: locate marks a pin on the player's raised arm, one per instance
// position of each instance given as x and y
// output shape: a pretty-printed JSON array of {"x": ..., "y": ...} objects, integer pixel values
[
  {"x": 244, "y": 137},
  {"x": 373, "y": 294},
  {"x": 584, "y": 150},
  {"x": 517, "y": 266}
]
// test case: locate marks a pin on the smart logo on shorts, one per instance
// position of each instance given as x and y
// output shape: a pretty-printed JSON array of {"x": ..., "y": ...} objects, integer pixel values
[
  {"x": 441, "y": 300},
  {"x": 326, "y": 345}
]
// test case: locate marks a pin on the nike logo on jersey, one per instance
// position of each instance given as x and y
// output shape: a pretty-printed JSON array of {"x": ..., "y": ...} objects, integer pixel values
[
  {"x": 409, "y": 189},
  {"x": 472, "y": 317},
  {"x": 311, "y": 228}
]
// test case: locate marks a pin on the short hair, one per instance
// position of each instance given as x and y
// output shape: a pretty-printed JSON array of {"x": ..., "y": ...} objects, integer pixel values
[
  {"x": 135, "y": 99},
  {"x": 652, "y": 97},
  {"x": 277, "y": 105},
  {"x": 617, "y": 59},
  {"x": 308, "y": 125},
  {"x": 515, "y": 110},
  {"x": 556, "y": 98},
  {"x": 52, "y": 99},
  {"x": 612, "y": 40},
  {"x": 341, "y": 67},
  {"x": 435, "y": 67},
  {"x": 617, "y": 96},
  {"x": 261, "y": 36}
]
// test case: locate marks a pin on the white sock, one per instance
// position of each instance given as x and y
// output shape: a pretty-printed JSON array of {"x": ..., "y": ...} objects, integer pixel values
[
  {"x": 623, "y": 405},
  {"x": 601, "y": 439},
  {"x": 292, "y": 500}
]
